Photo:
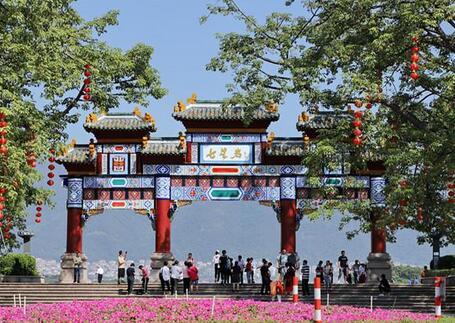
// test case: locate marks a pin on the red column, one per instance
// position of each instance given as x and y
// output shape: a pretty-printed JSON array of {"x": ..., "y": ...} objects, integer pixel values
[
  {"x": 378, "y": 240},
  {"x": 163, "y": 226},
  {"x": 188, "y": 152},
  {"x": 288, "y": 225},
  {"x": 74, "y": 231}
]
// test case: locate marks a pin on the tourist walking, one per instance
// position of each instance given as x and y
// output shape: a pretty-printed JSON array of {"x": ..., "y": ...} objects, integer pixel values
[
  {"x": 236, "y": 273},
  {"x": 224, "y": 266},
  {"x": 355, "y": 270},
  {"x": 176, "y": 272},
  {"x": 165, "y": 277},
  {"x": 265, "y": 277},
  {"x": 242, "y": 268},
  {"x": 342, "y": 266},
  {"x": 384, "y": 286},
  {"x": 121, "y": 265},
  {"x": 186, "y": 277},
  {"x": 319, "y": 271},
  {"x": 327, "y": 274},
  {"x": 281, "y": 260},
  {"x": 216, "y": 265},
  {"x": 362, "y": 274},
  {"x": 249, "y": 269},
  {"x": 193, "y": 274},
  {"x": 424, "y": 273},
  {"x": 130, "y": 278},
  {"x": 305, "y": 278},
  {"x": 77, "y": 262},
  {"x": 99, "y": 274},
  {"x": 145, "y": 278}
]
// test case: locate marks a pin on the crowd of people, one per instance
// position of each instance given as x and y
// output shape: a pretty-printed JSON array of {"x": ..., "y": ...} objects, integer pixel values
[{"x": 276, "y": 279}]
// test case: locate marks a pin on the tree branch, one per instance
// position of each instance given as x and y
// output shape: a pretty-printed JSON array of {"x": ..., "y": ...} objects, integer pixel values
[{"x": 73, "y": 103}]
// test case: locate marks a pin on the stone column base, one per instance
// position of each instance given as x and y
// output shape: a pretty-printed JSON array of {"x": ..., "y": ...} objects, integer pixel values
[
  {"x": 157, "y": 261},
  {"x": 378, "y": 264},
  {"x": 67, "y": 271}
]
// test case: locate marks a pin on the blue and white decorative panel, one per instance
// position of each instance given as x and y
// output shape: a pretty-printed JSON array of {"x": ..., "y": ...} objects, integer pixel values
[
  {"x": 130, "y": 148},
  {"x": 377, "y": 191},
  {"x": 194, "y": 153},
  {"x": 133, "y": 159},
  {"x": 198, "y": 193},
  {"x": 104, "y": 164},
  {"x": 118, "y": 204},
  {"x": 163, "y": 187},
  {"x": 264, "y": 137},
  {"x": 118, "y": 164},
  {"x": 118, "y": 182},
  {"x": 287, "y": 188},
  {"x": 301, "y": 181},
  {"x": 232, "y": 170},
  {"x": 224, "y": 138},
  {"x": 310, "y": 203},
  {"x": 336, "y": 181},
  {"x": 257, "y": 153},
  {"x": 189, "y": 137},
  {"x": 74, "y": 193},
  {"x": 225, "y": 154}
]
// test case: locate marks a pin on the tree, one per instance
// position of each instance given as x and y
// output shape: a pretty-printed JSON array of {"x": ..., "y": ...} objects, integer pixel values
[
  {"x": 344, "y": 52},
  {"x": 45, "y": 46}
]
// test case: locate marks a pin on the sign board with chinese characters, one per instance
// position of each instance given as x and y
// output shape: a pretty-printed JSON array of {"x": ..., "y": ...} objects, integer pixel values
[{"x": 226, "y": 154}]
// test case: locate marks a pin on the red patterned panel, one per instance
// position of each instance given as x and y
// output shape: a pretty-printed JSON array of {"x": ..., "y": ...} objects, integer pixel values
[
  {"x": 232, "y": 182},
  {"x": 148, "y": 194},
  {"x": 134, "y": 195},
  {"x": 245, "y": 182},
  {"x": 303, "y": 193},
  {"x": 362, "y": 194},
  {"x": 274, "y": 182},
  {"x": 119, "y": 195},
  {"x": 218, "y": 182},
  {"x": 204, "y": 182},
  {"x": 176, "y": 181},
  {"x": 190, "y": 182},
  {"x": 89, "y": 194},
  {"x": 260, "y": 182},
  {"x": 104, "y": 195}
]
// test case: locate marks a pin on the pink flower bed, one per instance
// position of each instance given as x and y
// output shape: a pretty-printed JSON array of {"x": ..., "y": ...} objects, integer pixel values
[{"x": 154, "y": 309}]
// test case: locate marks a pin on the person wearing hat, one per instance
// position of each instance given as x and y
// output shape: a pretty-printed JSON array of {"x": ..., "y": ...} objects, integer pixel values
[
  {"x": 130, "y": 278},
  {"x": 216, "y": 263}
]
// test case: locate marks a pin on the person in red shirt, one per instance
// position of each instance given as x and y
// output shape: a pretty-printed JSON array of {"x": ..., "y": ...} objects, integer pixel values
[
  {"x": 194, "y": 277},
  {"x": 145, "y": 278}
]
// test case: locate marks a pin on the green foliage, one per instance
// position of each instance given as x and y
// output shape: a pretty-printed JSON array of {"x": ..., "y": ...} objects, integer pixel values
[
  {"x": 341, "y": 51},
  {"x": 18, "y": 265},
  {"x": 45, "y": 45},
  {"x": 447, "y": 262},
  {"x": 402, "y": 273},
  {"x": 441, "y": 272}
]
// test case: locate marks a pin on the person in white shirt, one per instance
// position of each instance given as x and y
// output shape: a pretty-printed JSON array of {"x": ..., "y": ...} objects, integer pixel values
[
  {"x": 281, "y": 260},
  {"x": 99, "y": 274},
  {"x": 176, "y": 272},
  {"x": 165, "y": 277},
  {"x": 216, "y": 264}
]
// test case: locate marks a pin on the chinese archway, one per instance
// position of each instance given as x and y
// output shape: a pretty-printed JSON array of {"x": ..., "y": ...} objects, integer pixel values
[{"x": 218, "y": 158}]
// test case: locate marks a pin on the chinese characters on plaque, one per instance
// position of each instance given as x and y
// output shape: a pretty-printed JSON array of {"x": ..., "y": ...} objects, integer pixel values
[{"x": 226, "y": 154}]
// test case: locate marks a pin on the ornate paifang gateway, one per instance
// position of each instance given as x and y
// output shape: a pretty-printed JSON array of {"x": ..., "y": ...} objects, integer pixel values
[{"x": 219, "y": 158}]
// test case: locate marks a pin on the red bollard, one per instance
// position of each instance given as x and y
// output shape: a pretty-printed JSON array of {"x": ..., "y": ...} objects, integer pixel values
[
  {"x": 317, "y": 314},
  {"x": 295, "y": 289},
  {"x": 437, "y": 297}
]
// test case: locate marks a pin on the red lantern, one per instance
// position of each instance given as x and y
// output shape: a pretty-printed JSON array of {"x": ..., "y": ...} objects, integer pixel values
[
  {"x": 414, "y": 66},
  {"x": 3, "y": 124},
  {"x": 357, "y": 132},
  {"x": 451, "y": 193},
  {"x": 1, "y": 215},
  {"x": 3, "y": 150},
  {"x": 2, "y": 116},
  {"x": 38, "y": 214},
  {"x": 3, "y": 141},
  {"x": 3, "y": 132},
  {"x": 420, "y": 214},
  {"x": 87, "y": 97},
  {"x": 50, "y": 182},
  {"x": 403, "y": 183},
  {"x": 50, "y": 175},
  {"x": 87, "y": 73},
  {"x": 357, "y": 141},
  {"x": 369, "y": 105},
  {"x": 87, "y": 81},
  {"x": 87, "y": 66},
  {"x": 51, "y": 167},
  {"x": 414, "y": 39},
  {"x": 52, "y": 151},
  {"x": 357, "y": 123},
  {"x": 6, "y": 230},
  {"x": 33, "y": 164},
  {"x": 51, "y": 159},
  {"x": 1, "y": 207},
  {"x": 7, "y": 236},
  {"x": 38, "y": 208},
  {"x": 2, "y": 199},
  {"x": 414, "y": 58},
  {"x": 415, "y": 49},
  {"x": 358, "y": 114},
  {"x": 37, "y": 220},
  {"x": 2, "y": 190},
  {"x": 358, "y": 103},
  {"x": 403, "y": 202},
  {"x": 87, "y": 90},
  {"x": 414, "y": 76},
  {"x": 451, "y": 185}
]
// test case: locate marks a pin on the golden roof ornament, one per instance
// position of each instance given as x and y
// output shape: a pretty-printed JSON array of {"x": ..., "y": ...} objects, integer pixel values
[
  {"x": 144, "y": 141},
  {"x": 306, "y": 140},
  {"x": 271, "y": 107},
  {"x": 91, "y": 118},
  {"x": 72, "y": 143},
  {"x": 137, "y": 111},
  {"x": 270, "y": 138},
  {"x": 304, "y": 117},
  {"x": 182, "y": 140},
  {"x": 192, "y": 99},
  {"x": 149, "y": 118},
  {"x": 181, "y": 106}
]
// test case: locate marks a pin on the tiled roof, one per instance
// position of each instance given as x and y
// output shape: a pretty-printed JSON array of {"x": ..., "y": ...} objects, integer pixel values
[
  {"x": 215, "y": 111},
  {"x": 322, "y": 120},
  {"x": 286, "y": 147},
  {"x": 128, "y": 122},
  {"x": 76, "y": 155},
  {"x": 163, "y": 147}
]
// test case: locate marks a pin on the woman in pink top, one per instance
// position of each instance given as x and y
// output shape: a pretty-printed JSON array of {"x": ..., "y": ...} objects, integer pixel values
[{"x": 145, "y": 278}]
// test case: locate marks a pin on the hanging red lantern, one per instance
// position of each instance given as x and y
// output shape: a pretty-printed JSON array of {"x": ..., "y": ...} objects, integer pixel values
[
  {"x": 3, "y": 124},
  {"x": 7, "y": 236},
  {"x": 3, "y": 132},
  {"x": 87, "y": 97},
  {"x": 415, "y": 49},
  {"x": 38, "y": 208},
  {"x": 451, "y": 193},
  {"x": 357, "y": 141},
  {"x": 1, "y": 215},
  {"x": 50, "y": 182},
  {"x": 51, "y": 167},
  {"x": 50, "y": 175},
  {"x": 87, "y": 81},
  {"x": 33, "y": 164},
  {"x": 358, "y": 103},
  {"x": 451, "y": 185},
  {"x": 3, "y": 141},
  {"x": 38, "y": 220},
  {"x": 414, "y": 66},
  {"x": 369, "y": 105},
  {"x": 414, "y": 58},
  {"x": 357, "y": 132},
  {"x": 1, "y": 207},
  {"x": 87, "y": 90},
  {"x": 38, "y": 214},
  {"x": 51, "y": 159},
  {"x": 358, "y": 114},
  {"x": 3, "y": 150},
  {"x": 2, "y": 199},
  {"x": 357, "y": 123},
  {"x": 87, "y": 73},
  {"x": 403, "y": 202},
  {"x": 414, "y": 76},
  {"x": 87, "y": 66},
  {"x": 420, "y": 214}
]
